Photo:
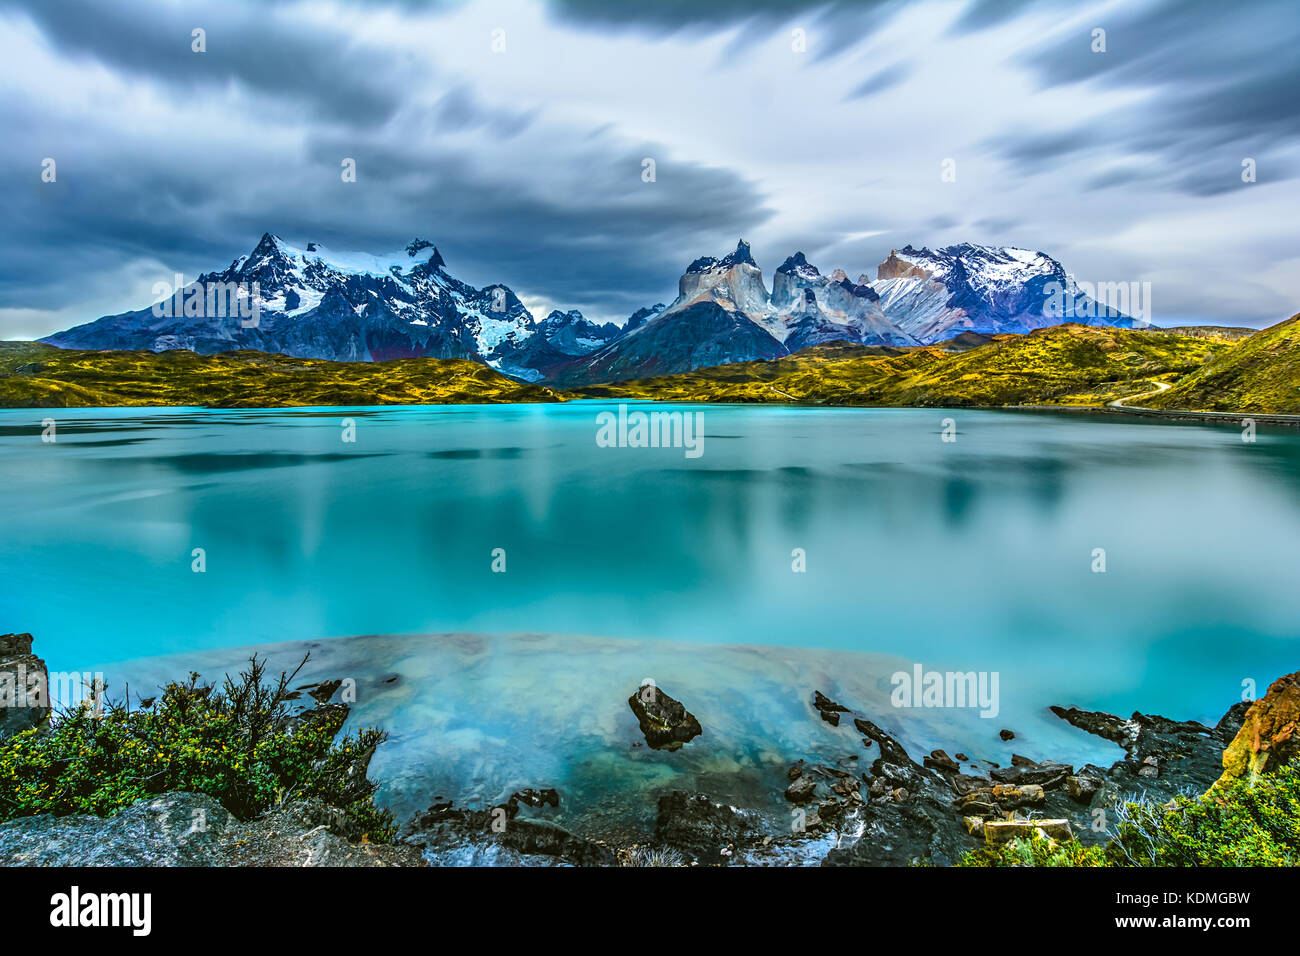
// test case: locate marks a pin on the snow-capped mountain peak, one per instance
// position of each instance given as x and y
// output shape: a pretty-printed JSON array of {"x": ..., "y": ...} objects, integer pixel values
[{"x": 317, "y": 302}]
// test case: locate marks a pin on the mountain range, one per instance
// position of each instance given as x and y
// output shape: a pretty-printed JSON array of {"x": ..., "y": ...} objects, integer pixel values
[{"x": 315, "y": 303}]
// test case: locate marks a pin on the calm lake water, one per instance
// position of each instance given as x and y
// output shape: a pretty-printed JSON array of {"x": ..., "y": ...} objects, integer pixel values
[{"x": 971, "y": 555}]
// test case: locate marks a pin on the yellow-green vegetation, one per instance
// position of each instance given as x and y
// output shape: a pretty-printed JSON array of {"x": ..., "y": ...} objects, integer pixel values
[
  {"x": 1262, "y": 374},
  {"x": 1210, "y": 369},
  {"x": 42, "y": 376},
  {"x": 1061, "y": 365},
  {"x": 238, "y": 743},
  {"x": 1247, "y": 822}
]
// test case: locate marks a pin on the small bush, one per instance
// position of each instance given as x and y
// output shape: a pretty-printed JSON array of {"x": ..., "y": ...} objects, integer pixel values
[
  {"x": 239, "y": 744},
  {"x": 1245, "y": 823},
  {"x": 1037, "y": 851}
]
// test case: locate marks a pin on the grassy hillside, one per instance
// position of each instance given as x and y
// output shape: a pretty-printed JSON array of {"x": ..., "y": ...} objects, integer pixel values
[
  {"x": 1061, "y": 365},
  {"x": 1228, "y": 333},
  {"x": 41, "y": 376},
  {"x": 1213, "y": 370},
  {"x": 1262, "y": 374}
]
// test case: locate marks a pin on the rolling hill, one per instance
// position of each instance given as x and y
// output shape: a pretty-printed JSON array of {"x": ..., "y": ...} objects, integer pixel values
[
  {"x": 1059, "y": 365},
  {"x": 1262, "y": 374},
  {"x": 42, "y": 376}
]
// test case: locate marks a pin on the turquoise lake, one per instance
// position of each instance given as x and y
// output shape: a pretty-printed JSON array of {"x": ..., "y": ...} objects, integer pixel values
[{"x": 970, "y": 555}]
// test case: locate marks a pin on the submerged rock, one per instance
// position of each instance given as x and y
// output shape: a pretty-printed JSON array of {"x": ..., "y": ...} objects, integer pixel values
[
  {"x": 666, "y": 722},
  {"x": 939, "y": 760},
  {"x": 801, "y": 790},
  {"x": 500, "y": 836},
  {"x": 829, "y": 710}
]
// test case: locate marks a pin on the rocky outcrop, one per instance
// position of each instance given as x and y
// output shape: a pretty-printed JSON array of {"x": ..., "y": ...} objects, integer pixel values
[
  {"x": 707, "y": 832},
  {"x": 1163, "y": 757},
  {"x": 501, "y": 835},
  {"x": 829, "y": 710},
  {"x": 1268, "y": 736},
  {"x": 666, "y": 722},
  {"x": 998, "y": 832},
  {"x": 193, "y": 829},
  {"x": 896, "y": 268},
  {"x": 24, "y": 685}
]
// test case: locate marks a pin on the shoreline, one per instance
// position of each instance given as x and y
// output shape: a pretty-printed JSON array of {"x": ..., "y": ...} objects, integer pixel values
[
  {"x": 1137, "y": 411},
  {"x": 606, "y": 783},
  {"x": 1111, "y": 409}
]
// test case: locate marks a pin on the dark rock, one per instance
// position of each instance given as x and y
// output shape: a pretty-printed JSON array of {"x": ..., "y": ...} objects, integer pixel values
[
  {"x": 1083, "y": 786},
  {"x": 323, "y": 691},
  {"x": 907, "y": 826},
  {"x": 1046, "y": 774},
  {"x": 1230, "y": 724},
  {"x": 891, "y": 751},
  {"x": 691, "y": 822},
  {"x": 939, "y": 760},
  {"x": 498, "y": 836},
  {"x": 1186, "y": 754},
  {"x": 536, "y": 798},
  {"x": 666, "y": 722},
  {"x": 538, "y": 837},
  {"x": 963, "y": 784},
  {"x": 801, "y": 790},
  {"x": 829, "y": 710},
  {"x": 847, "y": 788},
  {"x": 1006, "y": 735},
  {"x": 24, "y": 686}
]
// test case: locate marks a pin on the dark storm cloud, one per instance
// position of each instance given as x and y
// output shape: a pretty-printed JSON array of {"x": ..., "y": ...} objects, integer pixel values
[
  {"x": 587, "y": 233},
  {"x": 553, "y": 205},
  {"x": 602, "y": 239},
  {"x": 316, "y": 68},
  {"x": 579, "y": 226},
  {"x": 670, "y": 16},
  {"x": 982, "y": 14},
  {"x": 1120, "y": 176},
  {"x": 1219, "y": 83},
  {"x": 1034, "y": 151}
]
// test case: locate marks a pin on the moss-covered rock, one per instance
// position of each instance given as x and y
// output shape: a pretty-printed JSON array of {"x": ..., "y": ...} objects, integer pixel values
[
  {"x": 1268, "y": 737},
  {"x": 666, "y": 722}
]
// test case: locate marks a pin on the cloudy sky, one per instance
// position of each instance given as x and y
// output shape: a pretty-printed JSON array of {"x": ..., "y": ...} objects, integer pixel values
[{"x": 513, "y": 134}]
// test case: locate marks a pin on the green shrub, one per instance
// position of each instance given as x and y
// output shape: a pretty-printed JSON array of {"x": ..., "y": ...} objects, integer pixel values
[
  {"x": 239, "y": 743},
  {"x": 1037, "y": 851},
  {"x": 1244, "y": 823}
]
